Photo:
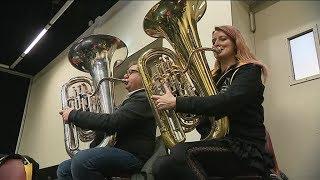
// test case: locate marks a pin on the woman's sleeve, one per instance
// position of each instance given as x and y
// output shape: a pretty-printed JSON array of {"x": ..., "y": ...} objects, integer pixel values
[{"x": 245, "y": 88}]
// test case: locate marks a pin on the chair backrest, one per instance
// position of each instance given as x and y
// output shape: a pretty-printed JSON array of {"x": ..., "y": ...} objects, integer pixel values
[
  {"x": 160, "y": 150},
  {"x": 146, "y": 170},
  {"x": 12, "y": 169},
  {"x": 18, "y": 167}
]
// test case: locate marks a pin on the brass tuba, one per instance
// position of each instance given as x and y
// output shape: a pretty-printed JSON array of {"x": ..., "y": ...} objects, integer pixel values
[
  {"x": 99, "y": 55},
  {"x": 186, "y": 72}
]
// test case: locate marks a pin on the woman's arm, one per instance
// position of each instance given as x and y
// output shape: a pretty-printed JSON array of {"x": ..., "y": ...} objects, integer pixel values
[{"x": 245, "y": 88}]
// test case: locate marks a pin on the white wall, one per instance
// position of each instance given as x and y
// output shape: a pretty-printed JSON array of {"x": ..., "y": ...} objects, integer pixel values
[
  {"x": 42, "y": 137},
  {"x": 240, "y": 19},
  {"x": 291, "y": 112},
  {"x": 126, "y": 24}
]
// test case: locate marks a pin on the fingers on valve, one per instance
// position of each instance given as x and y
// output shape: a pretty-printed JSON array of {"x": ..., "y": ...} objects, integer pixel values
[{"x": 166, "y": 88}]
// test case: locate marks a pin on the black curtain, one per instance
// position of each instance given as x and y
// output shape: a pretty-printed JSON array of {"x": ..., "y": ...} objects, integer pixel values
[{"x": 13, "y": 93}]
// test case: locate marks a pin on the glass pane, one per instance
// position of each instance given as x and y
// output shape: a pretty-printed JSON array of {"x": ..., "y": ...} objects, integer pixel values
[{"x": 304, "y": 56}]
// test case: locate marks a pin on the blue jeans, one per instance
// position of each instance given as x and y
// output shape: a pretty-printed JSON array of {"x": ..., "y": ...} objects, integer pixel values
[{"x": 98, "y": 163}]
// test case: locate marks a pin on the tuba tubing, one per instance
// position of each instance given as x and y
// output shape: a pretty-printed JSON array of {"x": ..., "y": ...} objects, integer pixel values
[
  {"x": 170, "y": 128},
  {"x": 176, "y": 21},
  {"x": 98, "y": 55},
  {"x": 71, "y": 135}
]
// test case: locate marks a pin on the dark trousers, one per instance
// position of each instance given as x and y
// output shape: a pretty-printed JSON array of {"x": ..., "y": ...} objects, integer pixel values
[{"x": 199, "y": 160}]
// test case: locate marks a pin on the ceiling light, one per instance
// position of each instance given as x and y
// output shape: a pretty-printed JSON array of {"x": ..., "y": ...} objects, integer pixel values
[
  {"x": 43, "y": 32},
  {"x": 34, "y": 42}
]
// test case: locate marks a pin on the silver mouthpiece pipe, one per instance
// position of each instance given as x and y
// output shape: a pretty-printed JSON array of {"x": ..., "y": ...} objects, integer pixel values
[{"x": 112, "y": 79}]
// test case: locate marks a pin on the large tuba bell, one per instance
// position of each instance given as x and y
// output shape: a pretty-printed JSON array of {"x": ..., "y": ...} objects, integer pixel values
[
  {"x": 186, "y": 72},
  {"x": 98, "y": 55}
]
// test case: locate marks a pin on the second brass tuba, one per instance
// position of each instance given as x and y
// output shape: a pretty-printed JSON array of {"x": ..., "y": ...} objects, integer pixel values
[
  {"x": 176, "y": 21},
  {"x": 99, "y": 55}
]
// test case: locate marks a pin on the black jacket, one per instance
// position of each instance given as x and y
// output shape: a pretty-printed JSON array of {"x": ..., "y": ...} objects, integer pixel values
[
  {"x": 241, "y": 101},
  {"x": 133, "y": 122}
]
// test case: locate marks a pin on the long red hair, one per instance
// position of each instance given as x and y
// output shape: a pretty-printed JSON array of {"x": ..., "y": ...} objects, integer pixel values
[{"x": 243, "y": 54}]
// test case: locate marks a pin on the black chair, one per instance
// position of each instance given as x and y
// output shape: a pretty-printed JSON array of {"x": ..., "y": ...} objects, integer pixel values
[
  {"x": 275, "y": 174},
  {"x": 18, "y": 167}
]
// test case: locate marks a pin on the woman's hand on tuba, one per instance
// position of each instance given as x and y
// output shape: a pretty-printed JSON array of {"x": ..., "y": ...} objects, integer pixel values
[{"x": 166, "y": 101}]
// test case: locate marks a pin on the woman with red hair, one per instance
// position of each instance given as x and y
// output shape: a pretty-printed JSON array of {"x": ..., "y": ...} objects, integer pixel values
[{"x": 239, "y": 77}]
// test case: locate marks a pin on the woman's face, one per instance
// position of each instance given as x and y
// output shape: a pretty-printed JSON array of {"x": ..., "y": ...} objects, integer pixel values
[{"x": 223, "y": 42}]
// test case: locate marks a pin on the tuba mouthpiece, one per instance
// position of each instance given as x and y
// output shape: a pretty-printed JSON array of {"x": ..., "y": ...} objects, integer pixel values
[{"x": 216, "y": 50}]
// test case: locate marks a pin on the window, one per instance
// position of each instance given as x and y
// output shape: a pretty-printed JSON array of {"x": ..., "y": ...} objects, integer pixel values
[{"x": 304, "y": 49}]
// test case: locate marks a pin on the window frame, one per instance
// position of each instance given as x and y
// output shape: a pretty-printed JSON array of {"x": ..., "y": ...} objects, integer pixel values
[{"x": 315, "y": 30}]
